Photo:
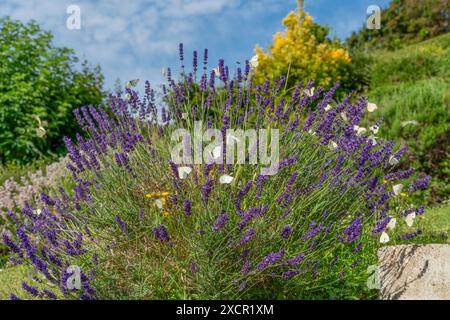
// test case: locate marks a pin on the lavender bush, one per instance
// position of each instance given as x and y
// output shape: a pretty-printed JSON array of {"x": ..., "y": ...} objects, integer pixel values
[
  {"x": 137, "y": 229},
  {"x": 14, "y": 193}
]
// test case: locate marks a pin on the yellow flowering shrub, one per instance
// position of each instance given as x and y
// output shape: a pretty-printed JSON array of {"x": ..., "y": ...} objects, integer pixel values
[{"x": 303, "y": 52}]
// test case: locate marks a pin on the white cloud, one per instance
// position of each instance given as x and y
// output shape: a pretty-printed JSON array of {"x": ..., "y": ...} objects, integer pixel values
[{"x": 135, "y": 39}]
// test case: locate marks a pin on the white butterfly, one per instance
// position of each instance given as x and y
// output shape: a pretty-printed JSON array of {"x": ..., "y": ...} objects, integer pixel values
[
  {"x": 226, "y": 179},
  {"x": 254, "y": 61},
  {"x": 309, "y": 92},
  {"x": 410, "y": 219},
  {"x": 184, "y": 115},
  {"x": 37, "y": 212},
  {"x": 311, "y": 132},
  {"x": 40, "y": 132},
  {"x": 217, "y": 71},
  {"x": 159, "y": 203},
  {"x": 397, "y": 189},
  {"x": 374, "y": 129},
  {"x": 373, "y": 139},
  {"x": 131, "y": 83},
  {"x": 393, "y": 161},
  {"x": 412, "y": 122},
  {"x": 163, "y": 72},
  {"x": 371, "y": 107},
  {"x": 391, "y": 224},
  {"x": 183, "y": 172},
  {"x": 332, "y": 145},
  {"x": 359, "y": 130},
  {"x": 344, "y": 116},
  {"x": 384, "y": 238},
  {"x": 40, "y": 123},
  {"x": 127, "y": 96},
  {"x": 328, "y": 107}
]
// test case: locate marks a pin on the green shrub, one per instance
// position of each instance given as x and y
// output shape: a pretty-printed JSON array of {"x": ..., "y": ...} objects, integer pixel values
[
  {"x": 39, "y": 87},
  {"x": 404, "y": 22}
]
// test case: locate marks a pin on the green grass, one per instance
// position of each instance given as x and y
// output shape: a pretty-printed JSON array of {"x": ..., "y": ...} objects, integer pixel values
[
  {"x": 437, "y": 224},
  {"x": 11, "y": 279}
]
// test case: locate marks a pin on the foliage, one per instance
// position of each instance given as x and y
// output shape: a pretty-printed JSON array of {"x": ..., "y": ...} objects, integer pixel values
[
  {"x": 140, "y": 230},
  {"x": 39, "y": 87},
  {"x": 405, "y": 22},
  {"x": 411, "y": 88},
  {"x": 304, "y": 52}
]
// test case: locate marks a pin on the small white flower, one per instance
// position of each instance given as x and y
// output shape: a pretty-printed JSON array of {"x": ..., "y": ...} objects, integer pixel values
[
  {"x": 384, "y": 238},
  {"x": 374, "y": 129},
  {"x": 159, "y": 203},
  {"x": 183, "y": 172},
  {"x": 391, "y": 224},
  {"x": 397, "y": 189},
  {"x": 328, "y": 108},
  {"x": 226, "y": 179},
  {"x": 410, "y": 219},
  {"x": 371, "y": 107},
  {"x": 410, "y": 122},
  {"x": 332, "y": 145},
  {"x": 309, "y": 92},
  {"x": 359, "y": 130},
  {"x": 254, "y": 61},
  {"x": 217, "y": 71},
  {"x": 37, "y": 212},
  {"x": 344, "y": 116},
  {"x": 393, "y": 161}
]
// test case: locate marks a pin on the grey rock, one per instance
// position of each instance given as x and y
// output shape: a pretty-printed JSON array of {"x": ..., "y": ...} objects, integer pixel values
[{"x": 414, "y": 272}]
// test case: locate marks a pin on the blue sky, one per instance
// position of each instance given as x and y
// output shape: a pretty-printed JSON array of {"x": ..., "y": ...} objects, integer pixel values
[{"x": 137, "y": 38}]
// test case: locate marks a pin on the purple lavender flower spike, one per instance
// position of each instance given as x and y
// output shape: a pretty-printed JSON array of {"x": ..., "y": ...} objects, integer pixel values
[
  {"x": 187, "y": 207},
  {"x": 221, "y": 220},
  {"x": 271, "y": 258},
  {"x": 353, "y": 232},
  {"x": 247, "y": 237},
  {"x": 161, "y": 233},
  {"x": 286, "y": 232},
  {"x": 122, "y": 224}
]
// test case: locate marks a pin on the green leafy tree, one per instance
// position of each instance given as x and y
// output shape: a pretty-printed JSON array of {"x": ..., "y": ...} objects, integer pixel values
[
  {"x": 40, "y": 84},
  {"x": 405, "y": 22}
]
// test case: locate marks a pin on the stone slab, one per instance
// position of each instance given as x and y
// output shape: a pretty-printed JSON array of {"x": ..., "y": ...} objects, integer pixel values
[{"x": 414, "y": 272}]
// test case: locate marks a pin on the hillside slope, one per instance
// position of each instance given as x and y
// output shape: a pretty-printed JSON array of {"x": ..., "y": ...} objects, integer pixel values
[{"x": 412, "y": 88}]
